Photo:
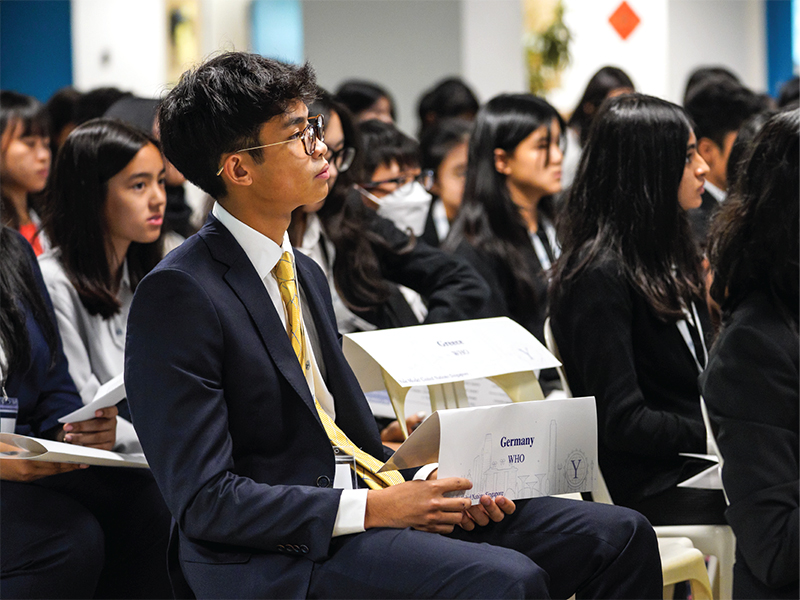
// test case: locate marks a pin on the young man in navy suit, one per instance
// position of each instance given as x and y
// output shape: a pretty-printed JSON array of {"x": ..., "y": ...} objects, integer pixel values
[{"x": 236, "y": 428}]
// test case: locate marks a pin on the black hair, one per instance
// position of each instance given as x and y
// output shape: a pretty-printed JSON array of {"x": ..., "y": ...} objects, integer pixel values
[
  {"x": 701, "y": 74},
  {"x": 358, "y": 96},
  {"x": 718, "y": 106},
  {"x": 75, "y": 217},
  {"x": 449, "y": 98},
  {"x": 623, "y": 204},
  {"x": 789, "y": 93},
  {"x": 743, "y": 144},
  {"x": 489, "y": 219},
  {"x": 18, "y": 287},
  {"x": 220, "y": 107},
  {"x": 383, "y": 143},
  {"x": 15, "y": 110},
  {"x": 356, "y": 267},
  {"x": 94, "y": 103},
  {"x": 61, "y": 109},
  {"x": 754, "y": 237},
  {"x": 599, "y": 87},
  {"x": 439, "y": 139}
]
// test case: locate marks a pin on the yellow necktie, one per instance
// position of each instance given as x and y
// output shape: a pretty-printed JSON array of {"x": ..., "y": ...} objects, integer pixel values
[{"x": 366, "y": 465}]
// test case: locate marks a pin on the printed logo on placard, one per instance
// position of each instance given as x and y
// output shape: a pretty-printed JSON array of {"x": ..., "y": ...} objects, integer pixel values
[{"x": 576, "y": 468}]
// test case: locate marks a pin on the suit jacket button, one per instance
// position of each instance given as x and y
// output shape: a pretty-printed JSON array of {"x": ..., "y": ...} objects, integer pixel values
[
  {"x": 323, "y": 481},
  {"x": 296, "y": 549},
  {"x": 281, "y": 548},
  {"x": 304, "y": 549}
]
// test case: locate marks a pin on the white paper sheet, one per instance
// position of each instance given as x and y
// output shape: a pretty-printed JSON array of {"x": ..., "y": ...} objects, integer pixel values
[
  {"x": 520, "y": 450},
  {"x": 444, "y": 352},
  {"x": 22, "y": 447},
  {"x": 108, "y": 394}
]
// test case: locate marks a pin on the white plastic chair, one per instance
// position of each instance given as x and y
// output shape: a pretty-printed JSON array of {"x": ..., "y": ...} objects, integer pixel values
[{"x": 713, "y": 540}]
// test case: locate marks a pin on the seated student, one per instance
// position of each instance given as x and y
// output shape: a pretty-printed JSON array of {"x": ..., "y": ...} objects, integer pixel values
[
  {"x": 443, "y": 152},
  {"x": 104, "y": 221},
  {"x": 24, "y": 163},
  {"x": 606, "y": 83},
  {"x": 700, "y": 75},
  {"x": 366, "y": 101},
  {"x": 237, "y": 382},
  {"x": 627, "y": 311},
  {"x": 67, "y": 531},
  {"x": 505, "y": 227},
  {"x": 718, "y": 107},
  {"x": 61, "y": 109},
  {"x": 451, "y": 98},
  {"x": 789, "y": 93},
  {"x": 366, "y": 258},
  {"x": 751, "y": 383}
]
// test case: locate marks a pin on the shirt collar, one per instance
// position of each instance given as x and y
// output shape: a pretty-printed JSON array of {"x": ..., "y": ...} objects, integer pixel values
[
  {"x": 262, "y": 251},
  {"x": 313, "y": 231},
  {"x": 717, "y": 193}
]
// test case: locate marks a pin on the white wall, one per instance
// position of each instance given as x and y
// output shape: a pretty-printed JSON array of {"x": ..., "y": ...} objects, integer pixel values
[
  {"x": 404, "y": 45},
  {"x": 120, "y": 43},
  {"x": 643, "y": 55}
]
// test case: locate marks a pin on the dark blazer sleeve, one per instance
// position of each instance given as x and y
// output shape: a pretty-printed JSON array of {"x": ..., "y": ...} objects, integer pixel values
[
  {"x": 451, "y": 288},
  {"x": 751, "y": 390},
  {"x": 593, "y": 326},
  {"x": 174, "y": 372}
]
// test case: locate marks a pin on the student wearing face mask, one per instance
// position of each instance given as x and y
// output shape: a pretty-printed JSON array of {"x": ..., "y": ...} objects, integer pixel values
[{"x": 366, "y": 258}]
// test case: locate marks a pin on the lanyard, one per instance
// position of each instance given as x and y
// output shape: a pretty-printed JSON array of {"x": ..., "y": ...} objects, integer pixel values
[
  {"x": 683, "y": 327},
  {"x": 538, "y": 246}
]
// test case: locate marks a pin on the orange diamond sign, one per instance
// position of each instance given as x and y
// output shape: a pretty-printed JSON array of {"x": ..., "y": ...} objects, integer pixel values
[{"x": 624, "y": 20}]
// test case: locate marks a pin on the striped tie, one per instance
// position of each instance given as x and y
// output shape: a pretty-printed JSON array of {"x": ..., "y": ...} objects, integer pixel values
[{"x": 366, "y": 466}]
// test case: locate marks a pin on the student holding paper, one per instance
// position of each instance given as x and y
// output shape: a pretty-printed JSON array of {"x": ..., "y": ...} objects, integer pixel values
[
  {"x": 239, "y": 388},
  {"x": 104, "y": 222},
  {"x": 66, "y": 531}
]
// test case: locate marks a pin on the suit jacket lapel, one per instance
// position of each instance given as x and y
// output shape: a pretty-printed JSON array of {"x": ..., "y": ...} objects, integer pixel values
[{"x": 244, "y": 281}]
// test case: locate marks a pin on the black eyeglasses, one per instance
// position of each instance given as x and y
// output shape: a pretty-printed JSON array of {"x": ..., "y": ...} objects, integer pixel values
[
  {"x": 425, "y": 179},
  {"x": 315, "y": 130},
  {"x": 342, "y": 159}
]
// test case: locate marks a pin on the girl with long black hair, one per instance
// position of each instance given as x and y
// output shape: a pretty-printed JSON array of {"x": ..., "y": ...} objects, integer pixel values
[
  {"x": 627, "y": 305},
  {"x": 104, "y": 221}
]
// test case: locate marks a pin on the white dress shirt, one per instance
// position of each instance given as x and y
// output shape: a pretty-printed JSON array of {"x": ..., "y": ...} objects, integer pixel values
[
  {"x": 264, "y": 254},
  {"x": 94, "y": 346}
]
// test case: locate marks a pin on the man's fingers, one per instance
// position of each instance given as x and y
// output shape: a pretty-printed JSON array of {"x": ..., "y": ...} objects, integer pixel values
[
  {"x": 494, "y": 512},
  {"x": 506, "y": 504},
  {"x": 478, "y": 514},
  {"x": 452, "y": 484}
]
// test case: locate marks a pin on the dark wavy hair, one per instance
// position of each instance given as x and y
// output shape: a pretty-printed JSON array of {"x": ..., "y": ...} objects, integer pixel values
[
  {"x": 600, "y": 85},
  {"x": 624, "y": 204},
  {"x": 356, "y": 266},
  {"x": 450, "y": 98},
  {"x": 754, "y": 237},
  {"x": 489, "y": 220},
  {"x": 75, "y": 217},
  {"x": 18, "y": 109},
  {"x": 18, "y": 288},
  {"x": 382, "y": 144},
  {"x": 220, "y": 107},
  {"x": 358, "y": 95}
]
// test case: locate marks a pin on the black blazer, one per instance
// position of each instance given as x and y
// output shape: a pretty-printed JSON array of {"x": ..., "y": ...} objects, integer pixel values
[
  {"x": 642, "y": 375},
  {"x": 227, "y": 421},
  {"x": 751, "y": 390}
]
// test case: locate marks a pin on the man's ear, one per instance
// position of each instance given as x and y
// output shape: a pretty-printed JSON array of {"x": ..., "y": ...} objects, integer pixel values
[
  {"x": 236, "y": 171},
  {"x": 501, "y": 161},
  {"x": 709, "y": 150}
]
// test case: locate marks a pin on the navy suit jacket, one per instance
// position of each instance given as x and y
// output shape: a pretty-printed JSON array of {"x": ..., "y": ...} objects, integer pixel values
[{"x": 226, "y": 418}]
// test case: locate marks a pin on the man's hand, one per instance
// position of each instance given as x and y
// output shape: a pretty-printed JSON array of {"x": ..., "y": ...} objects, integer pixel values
[
  {"x": 100, "y": 432},
  {"x": 31, "y": 470},
  {"x": 489, "y": 509},
  {"x": 418, "y": 504}
]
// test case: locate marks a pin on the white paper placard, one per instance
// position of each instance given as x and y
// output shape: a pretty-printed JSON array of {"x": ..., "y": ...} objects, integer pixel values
[
  {"x": 21, "y": 447},
  {"x": 519, "y": 450},
  {"x": 108, "y": 394},
  {"x": 444, "y": 352}
]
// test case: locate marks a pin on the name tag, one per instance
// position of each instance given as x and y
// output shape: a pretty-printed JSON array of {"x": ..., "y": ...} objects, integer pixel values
[{"x": 345, "y": 475}]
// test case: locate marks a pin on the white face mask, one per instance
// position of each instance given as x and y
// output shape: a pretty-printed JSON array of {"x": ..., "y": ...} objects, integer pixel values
[{"x": 407, "y": 207}]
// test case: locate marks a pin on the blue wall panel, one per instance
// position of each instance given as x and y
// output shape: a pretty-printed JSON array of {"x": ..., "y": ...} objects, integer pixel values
[
  {"x": 779, "y": 44},
  {"x": 35, "y": 46},
  {"x": 277, "y": 29}
]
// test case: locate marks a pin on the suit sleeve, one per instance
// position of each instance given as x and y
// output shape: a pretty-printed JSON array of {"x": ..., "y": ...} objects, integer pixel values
[
  {"x": 751, "y": 389},
  {"x": 174, "y": 379},
  {"x": 451, "y": 288},
  {"x": 592, "y": 324}
]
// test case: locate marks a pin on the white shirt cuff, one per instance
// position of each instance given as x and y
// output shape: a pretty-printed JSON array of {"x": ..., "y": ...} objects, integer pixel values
[
  {"x": 425, "y": 471},
  {"x": 352, "y": 512}
]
